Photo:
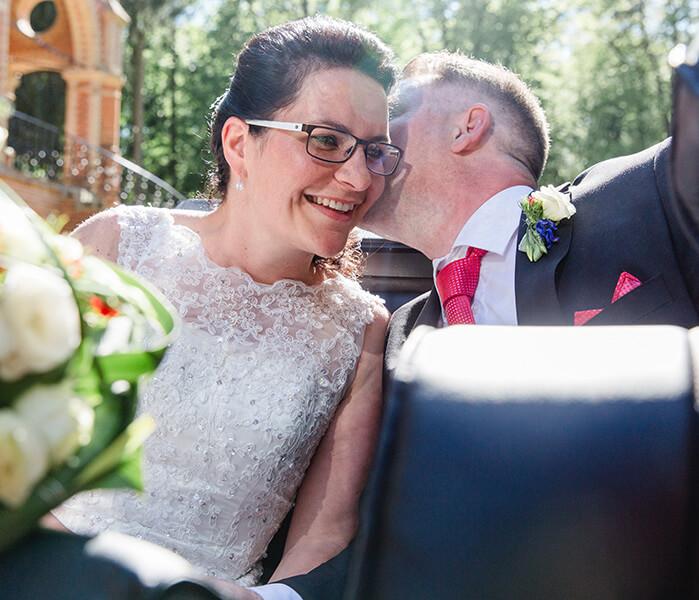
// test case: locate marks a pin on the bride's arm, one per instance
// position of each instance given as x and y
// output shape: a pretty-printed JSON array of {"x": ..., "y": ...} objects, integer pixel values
[{"x": 327, "y": 506}]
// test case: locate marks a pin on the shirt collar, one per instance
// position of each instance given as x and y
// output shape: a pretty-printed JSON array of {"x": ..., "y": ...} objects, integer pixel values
[{"x": 491, "y": 227}]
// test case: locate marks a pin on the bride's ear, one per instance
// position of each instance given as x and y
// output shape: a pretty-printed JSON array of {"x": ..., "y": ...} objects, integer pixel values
[
  {"x": 470, "y": 128},
  {"x": 233, "y": 137}
]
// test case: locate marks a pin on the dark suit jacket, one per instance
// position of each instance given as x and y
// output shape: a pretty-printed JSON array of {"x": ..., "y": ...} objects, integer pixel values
[{"x": 623, "y": 223}]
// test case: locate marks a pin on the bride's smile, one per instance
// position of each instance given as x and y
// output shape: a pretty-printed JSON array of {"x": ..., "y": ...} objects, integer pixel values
[{"x": 336, "y": 205}]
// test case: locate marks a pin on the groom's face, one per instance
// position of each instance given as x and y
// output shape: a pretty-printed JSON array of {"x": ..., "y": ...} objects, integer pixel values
[{"x": 404, "y": 209}]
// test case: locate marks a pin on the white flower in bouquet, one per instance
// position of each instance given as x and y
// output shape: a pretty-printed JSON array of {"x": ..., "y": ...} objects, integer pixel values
[
  {"x": 68, "y": 249},
  {"x": 116, "y": 337},
  {"x": 19, "y": 238},
  {"x": 23, "y": 458},
  {"x": 64, "y": 420},
  {"x": 42, "y": 317}
]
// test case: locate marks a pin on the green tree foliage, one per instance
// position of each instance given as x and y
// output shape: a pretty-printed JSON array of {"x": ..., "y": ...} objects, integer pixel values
[
  {"x": 145, "y": 16},
  {"x": 620, "y": 80},
  {"x": 599, "y": 66}
]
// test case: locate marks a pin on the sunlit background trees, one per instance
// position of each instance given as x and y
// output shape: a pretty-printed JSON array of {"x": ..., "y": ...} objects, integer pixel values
[{"x": 599, "y": 66}]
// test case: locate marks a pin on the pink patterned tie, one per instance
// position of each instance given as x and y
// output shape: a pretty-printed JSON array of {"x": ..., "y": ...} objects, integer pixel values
[{"x": 457, "y": 283}]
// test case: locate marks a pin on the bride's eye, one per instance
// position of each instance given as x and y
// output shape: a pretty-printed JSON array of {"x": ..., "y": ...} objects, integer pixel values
[{"x": 324, "y": 141}]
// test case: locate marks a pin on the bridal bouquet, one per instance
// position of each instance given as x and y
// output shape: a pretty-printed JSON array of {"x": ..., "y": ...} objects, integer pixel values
[{"x": 76, "y": 336}]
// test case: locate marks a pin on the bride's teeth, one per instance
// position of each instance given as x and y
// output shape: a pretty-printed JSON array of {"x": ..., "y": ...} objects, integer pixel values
[{"x": 338, "y": 206}]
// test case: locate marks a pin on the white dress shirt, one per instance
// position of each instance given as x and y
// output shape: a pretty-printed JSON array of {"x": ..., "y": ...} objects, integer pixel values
[
  {"x": 276, "y": 591},
  {"x": 493, "y": 227}
]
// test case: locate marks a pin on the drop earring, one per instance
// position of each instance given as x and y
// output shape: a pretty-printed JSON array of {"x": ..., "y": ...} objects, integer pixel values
[{"x": 239, "y": 186}]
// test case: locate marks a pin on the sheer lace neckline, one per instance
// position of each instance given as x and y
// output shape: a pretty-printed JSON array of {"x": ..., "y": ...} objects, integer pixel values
[{"x": 196, "y": 240}]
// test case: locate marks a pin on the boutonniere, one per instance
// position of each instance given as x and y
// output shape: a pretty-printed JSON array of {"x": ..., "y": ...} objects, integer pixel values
[{"x": 543, "y": 209}]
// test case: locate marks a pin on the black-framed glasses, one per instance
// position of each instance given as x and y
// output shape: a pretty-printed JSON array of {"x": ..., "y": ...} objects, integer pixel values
[{"x": 337, "y": 146}]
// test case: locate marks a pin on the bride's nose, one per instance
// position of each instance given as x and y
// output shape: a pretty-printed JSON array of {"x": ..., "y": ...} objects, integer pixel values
[{"x": 354, "y": 172}]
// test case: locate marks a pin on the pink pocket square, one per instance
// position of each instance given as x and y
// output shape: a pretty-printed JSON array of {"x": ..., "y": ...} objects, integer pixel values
[{"x": 626, "y": 283}]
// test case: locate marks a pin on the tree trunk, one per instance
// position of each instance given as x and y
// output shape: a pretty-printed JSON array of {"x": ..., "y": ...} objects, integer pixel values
[
  {"x": 172, "y": 166},
  {"x": 139, "y": 42}
]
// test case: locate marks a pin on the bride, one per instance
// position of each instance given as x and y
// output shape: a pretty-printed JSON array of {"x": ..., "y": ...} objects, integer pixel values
[{"x": 272, "y": 393}]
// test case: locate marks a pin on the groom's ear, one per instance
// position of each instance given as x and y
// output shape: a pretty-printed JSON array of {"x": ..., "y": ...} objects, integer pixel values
[
  {"x": 233, "y": 136},
  {"x": 470, "y": 128}
]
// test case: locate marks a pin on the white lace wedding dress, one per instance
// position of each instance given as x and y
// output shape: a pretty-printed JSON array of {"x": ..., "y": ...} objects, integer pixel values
[{"x": 241, "y": 401}]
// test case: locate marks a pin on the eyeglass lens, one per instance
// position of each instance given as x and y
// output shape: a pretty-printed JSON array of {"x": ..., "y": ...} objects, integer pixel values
[{"x": 336, "y": 146}]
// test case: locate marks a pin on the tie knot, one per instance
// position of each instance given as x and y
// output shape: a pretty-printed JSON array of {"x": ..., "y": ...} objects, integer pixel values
[
  {"x": 460, "y": 277},
  {"x": 475, "y": 253}
]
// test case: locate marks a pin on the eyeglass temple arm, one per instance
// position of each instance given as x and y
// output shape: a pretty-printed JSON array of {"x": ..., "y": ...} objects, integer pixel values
[{"x": 277, "y": 125}]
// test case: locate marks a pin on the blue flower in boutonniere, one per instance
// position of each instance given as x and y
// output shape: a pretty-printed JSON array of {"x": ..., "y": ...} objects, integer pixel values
[
  {"x": 543, "y": 210},
  {"x": 546, "y": 228}
]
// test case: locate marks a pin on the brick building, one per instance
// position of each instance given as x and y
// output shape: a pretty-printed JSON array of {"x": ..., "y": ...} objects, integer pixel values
[{"x": 76, "y": 46}]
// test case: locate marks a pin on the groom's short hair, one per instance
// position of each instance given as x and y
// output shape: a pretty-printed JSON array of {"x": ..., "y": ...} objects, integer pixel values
[{"x": 527, "y": 131}]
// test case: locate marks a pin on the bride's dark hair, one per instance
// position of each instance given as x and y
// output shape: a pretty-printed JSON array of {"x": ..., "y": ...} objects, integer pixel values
[{"x": 269, "y": 73}]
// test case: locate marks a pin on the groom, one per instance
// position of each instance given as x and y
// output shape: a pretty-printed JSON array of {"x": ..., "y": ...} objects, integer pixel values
[{"x": 476, "y": 141}]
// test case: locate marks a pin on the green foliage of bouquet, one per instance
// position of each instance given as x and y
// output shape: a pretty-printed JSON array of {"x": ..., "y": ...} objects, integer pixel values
[{"x": 77, "y": 335}]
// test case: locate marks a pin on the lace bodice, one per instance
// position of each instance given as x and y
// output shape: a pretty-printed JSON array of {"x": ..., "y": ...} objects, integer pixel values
[{"x": 241, "y": 400}]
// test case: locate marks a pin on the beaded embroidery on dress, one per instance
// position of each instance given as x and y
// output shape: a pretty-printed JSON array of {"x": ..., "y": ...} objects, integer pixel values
[{"x": 241, "y": 400}]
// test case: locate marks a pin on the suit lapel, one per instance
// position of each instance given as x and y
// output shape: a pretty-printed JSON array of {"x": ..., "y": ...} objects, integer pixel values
[
  {"x": 431, "y": 312},
  {"x": 424, "y": 310},
  {"x": 535, "y": 282}
]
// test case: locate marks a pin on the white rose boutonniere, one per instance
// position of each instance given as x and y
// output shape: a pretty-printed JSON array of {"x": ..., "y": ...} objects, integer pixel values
[
  {"x": 543, "y": 210},
  {"x": 77, "y": 335},
  {"x": 557, "y": 206}
]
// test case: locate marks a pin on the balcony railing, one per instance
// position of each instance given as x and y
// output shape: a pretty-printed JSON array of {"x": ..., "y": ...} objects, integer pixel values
[{"x": 47, "y": 152}]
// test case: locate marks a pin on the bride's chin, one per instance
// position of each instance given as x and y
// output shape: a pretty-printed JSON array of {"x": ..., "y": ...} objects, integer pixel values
[{"x": 330, "y": 248}]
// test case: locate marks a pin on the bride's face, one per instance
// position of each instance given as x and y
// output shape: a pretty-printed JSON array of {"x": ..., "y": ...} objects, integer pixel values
[{"x": 293, "y": 189}]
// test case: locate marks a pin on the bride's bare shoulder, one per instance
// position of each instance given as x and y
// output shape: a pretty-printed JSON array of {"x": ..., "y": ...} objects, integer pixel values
[{"x": 100, "y": 234}]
